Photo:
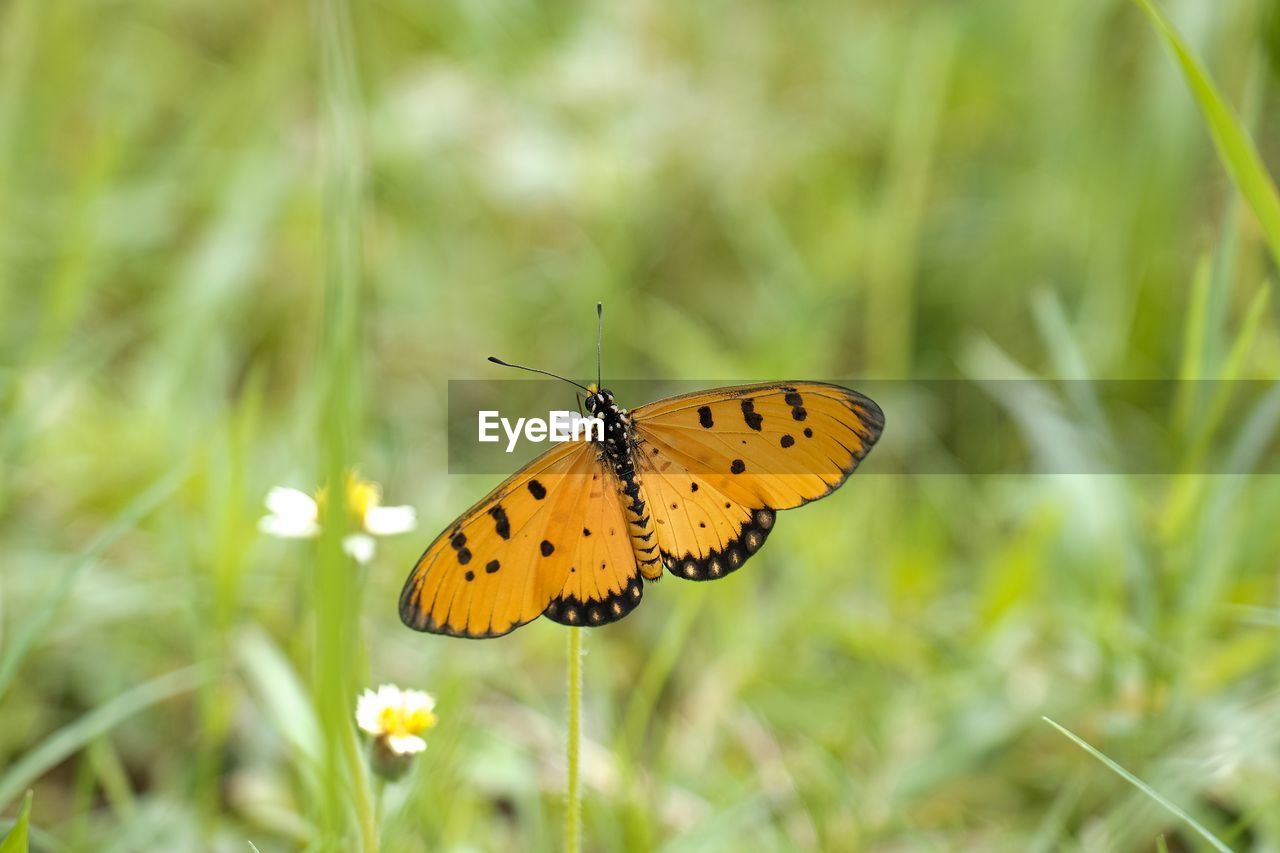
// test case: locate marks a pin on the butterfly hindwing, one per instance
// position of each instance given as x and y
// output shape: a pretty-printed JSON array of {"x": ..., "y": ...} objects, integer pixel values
[
  {"x": 717, "y": 465},
  {"x": 603, "y": 583},
  {"x": 703, "y": 533}
]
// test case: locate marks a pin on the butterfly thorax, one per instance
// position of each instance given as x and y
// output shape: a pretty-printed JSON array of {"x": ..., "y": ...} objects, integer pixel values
[
  {"x": 616, "y": 446},
  {"x": 617, "y": 450}
]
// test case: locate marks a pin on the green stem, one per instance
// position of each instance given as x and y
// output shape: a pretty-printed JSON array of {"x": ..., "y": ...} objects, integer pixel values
[
  {"x": 346, "y": 778},
  {"x": 573, "y": 810},
  {"x": 367, "y": 807}
]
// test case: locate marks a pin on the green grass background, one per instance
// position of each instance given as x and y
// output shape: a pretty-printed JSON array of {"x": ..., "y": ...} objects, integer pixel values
[{"x": 247, "y": 244}]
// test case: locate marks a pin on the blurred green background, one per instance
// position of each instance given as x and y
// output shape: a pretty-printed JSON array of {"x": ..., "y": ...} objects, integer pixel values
[{"x": 248, "y": 244}]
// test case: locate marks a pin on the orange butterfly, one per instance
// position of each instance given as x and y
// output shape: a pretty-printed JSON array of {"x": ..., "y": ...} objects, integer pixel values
[{"x": 689, "y": 483}]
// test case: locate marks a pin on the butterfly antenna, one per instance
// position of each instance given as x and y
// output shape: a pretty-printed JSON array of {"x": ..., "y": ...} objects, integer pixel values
[
  {"x": 599, "y": 338},
  {"x": 536, "y": 370}
]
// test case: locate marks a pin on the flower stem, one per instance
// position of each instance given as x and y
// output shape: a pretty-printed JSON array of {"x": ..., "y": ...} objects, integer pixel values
[
  {"x": 573, "y": 810},
  {"x": 367, "y": 808}
]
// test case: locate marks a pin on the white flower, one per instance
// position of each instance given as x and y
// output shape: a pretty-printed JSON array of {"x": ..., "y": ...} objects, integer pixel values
[
  {"x": 398, "y": 718},
  {"x": 359, "y": 547},
  {"x": 293, "y": 514},
  {"x": 389, "y": 520},
  {"x": 296, "y": 515}
]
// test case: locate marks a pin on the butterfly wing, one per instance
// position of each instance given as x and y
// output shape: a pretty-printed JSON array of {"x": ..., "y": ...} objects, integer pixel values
[
  {"x": 523, "y": 550},
  {"x": 603, "y": 583},
  {"x": 717, "y": 465}
]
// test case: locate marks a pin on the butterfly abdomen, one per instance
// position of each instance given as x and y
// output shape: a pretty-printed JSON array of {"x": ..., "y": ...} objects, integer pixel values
[{"x": 640, "y": 528}]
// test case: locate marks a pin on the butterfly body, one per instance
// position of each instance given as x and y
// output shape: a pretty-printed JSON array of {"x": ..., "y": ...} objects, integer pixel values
[
  {"x": 617, "y": 451},
  {"x": 690, "y": 484}
]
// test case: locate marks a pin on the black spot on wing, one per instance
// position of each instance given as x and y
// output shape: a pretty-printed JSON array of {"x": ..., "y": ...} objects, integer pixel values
[
  {"x": 464, "y": 556},
  {"x": 793, "y": 399},
  {"x": 538, "y": 490},
  {"x": 738, "y": 466},
  {"x": 808, "y": 433},
  {"x": 704, "y": 417},
  {"x": 786, "y": 441},
  {"x": 492, "y": 566},
  {"x": 547, "y": 548},
  {"x": 749, "y": 414},
  {"x": 501, "y": 524}
]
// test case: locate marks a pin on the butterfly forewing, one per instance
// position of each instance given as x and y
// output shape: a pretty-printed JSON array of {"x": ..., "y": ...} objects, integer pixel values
[
  {"x": 488, "y": 573},
  {"x": 550, "y": 539}
]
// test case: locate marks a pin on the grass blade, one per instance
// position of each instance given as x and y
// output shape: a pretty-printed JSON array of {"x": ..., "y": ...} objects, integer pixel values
[
  {"x": 344, "y": 773},
  {"x": 16, "y": 840},
  {"x": 44, "y": 611},
  {"x": 65, "y": 741},
  {"x": 275, "y": 685},
  {"x": 1142, "y": 786},
  {"x": 1236, "y": 148}
]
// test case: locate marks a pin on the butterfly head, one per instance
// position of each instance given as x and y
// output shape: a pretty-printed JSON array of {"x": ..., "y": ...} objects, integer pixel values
[{"x": 599, "y": 400}]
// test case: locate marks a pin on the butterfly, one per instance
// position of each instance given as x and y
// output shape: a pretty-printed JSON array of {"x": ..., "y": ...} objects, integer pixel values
[{"x": 689, "y": 485}]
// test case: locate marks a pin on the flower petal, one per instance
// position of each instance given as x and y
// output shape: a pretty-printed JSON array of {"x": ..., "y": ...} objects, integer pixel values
[
  {"x": 294, "y": 515},
  {"x": 390, "y": 520},
  {"x": 389, "y": 694},
  {"x": 406, "y": 744},
  {"x": 292, "y": 503},
  {"x": 417, "y": 700},
  {"x": 368, "y": 712},
  {"x": 287, "y": 527},
  {"x": 360, "y": 547}
]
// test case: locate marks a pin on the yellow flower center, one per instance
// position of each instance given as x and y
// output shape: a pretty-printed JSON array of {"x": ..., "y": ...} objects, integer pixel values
[
  {"x": 396, "y": 722},
  {"x": 362, "y": 495}
]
